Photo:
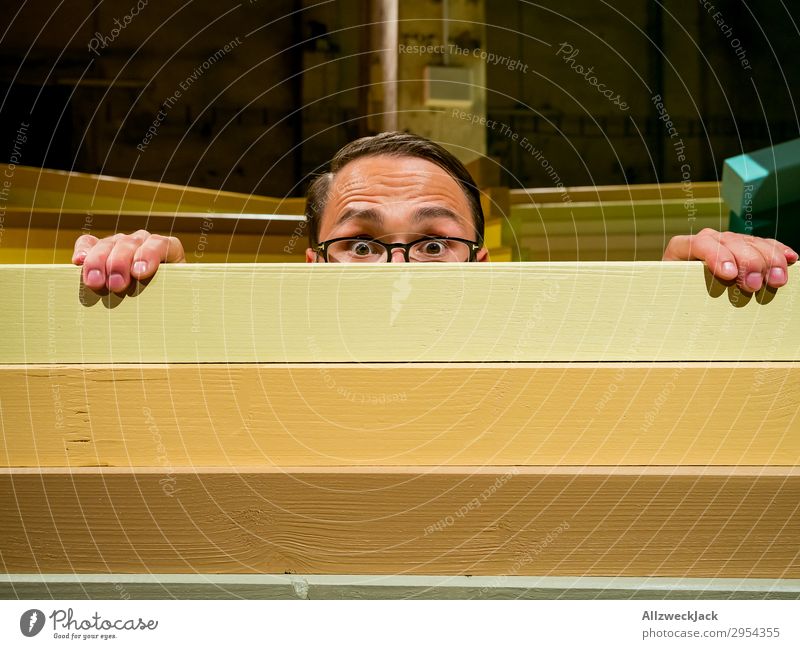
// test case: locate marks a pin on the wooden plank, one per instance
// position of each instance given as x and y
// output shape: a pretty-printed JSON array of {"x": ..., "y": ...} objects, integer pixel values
[
  {"x": 400, "y": 414},
  {"x": 397, "y": 312},
  {"x": 55, "y": 246},
  {"x": 653, "y": 191},
  {"x": 189, "y": 586},
  {"x": 493, "y": 233},
  {"x": 699, "y": 522},
  {"x": 582, "y": 230},
  {"x": 631, "y": 211},
  {"x": 162, "y": 222},
  {"x": 599, "y": 247},
  {"x": 50, "y": 188}
]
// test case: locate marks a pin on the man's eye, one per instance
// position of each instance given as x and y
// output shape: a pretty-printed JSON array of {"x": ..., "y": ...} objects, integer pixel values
[
  {"x": 433, "y": 247},
  {"x": 362, "y": 248}
]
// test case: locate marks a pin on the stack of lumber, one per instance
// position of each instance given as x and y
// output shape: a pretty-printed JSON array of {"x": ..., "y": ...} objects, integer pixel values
[{"x": 509, "y": 423}]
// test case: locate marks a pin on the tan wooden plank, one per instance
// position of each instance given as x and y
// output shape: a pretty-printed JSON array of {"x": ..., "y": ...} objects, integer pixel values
[
  {"x": 397, "y": 312},
  {"x": 661, "y": 521},
  {"x": 401, "y": 414}
]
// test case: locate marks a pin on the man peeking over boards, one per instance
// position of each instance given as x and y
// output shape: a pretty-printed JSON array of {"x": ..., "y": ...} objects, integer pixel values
[{"x": 396, "y": 197}]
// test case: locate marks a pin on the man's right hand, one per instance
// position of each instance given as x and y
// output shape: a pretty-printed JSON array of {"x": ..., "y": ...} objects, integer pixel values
[{"x": 112, "y": 262}]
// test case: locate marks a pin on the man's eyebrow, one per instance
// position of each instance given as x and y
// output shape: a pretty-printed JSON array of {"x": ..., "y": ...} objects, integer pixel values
[
  {"x": 435, "y": 211},
  {"x": 364, "y": 215},
  {"x": 422, "y": 214}
]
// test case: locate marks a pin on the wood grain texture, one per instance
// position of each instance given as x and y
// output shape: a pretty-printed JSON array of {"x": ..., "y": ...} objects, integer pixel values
[
  {"x": 194, "y": 586},
  {"x": 400, "y": 414},
  {"x": 660, "y": 521},
  {"x": 661, "y": 311}
]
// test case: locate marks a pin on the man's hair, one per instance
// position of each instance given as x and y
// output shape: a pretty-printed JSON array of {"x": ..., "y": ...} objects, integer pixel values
[{"x": 398, "y": 144}]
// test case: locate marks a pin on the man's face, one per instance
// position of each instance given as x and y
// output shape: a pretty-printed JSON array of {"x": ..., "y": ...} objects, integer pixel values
[{"x": 395, "y": 199}]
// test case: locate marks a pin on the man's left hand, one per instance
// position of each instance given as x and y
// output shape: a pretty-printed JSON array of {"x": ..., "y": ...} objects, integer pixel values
[{"x": 752, "y": 261}]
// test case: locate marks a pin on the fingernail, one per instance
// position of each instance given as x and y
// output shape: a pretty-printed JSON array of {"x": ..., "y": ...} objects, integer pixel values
[
  {"x": 94, "y": 276},
  {"x": 139, "y": 267},
  {"x": 792, "y": 253},
  {"x": 729, "y": 268},
  {"x": 777, "y": 275},
  {"x": 754, "y": 281},
  {"x": 115, "y": 281}
]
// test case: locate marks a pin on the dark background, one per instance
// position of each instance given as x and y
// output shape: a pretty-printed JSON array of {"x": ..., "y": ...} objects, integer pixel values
[{"x": 298, "y": 87}]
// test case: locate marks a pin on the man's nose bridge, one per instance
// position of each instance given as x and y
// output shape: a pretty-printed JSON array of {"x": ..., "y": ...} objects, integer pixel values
[{"x": 398, "y": 257}]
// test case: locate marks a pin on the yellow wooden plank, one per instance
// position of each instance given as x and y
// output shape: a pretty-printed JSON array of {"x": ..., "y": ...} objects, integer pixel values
[
  {"x": 563, "y": 252},
  {"x": 670, "y": 227},
  {"x": 653, "y": 191},
  {"x": 502, "y": 253},
  {"x": 492, "y": 233},
  {"x": 49, "y": 188},
  {"x": 55, "y": 246},
  {"x": 661, "y": 521},
  {"x": 632, "y": 211},
  {"x": 390, "y": 414},
  {"x": 397, "y": 312},
  {"x": 161, "y": 222},
  {"x": 598, "y": 247}
]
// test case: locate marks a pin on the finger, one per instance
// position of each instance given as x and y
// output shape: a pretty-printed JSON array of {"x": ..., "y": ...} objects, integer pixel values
[
  {"x": 152, "y": 252},
  {"x": 774, "y": 252},
  {"x": 703, "y": 246},
  {"x": 118, "y": 262},
  {"x": 753, "y": 266},
  {"x": 83, "y": 244},
  {"x": 94, "y": 264}
]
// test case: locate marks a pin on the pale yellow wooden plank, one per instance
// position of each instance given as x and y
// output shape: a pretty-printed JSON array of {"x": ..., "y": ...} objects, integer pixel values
[
  {"x": 661, "y": 521},
  {"x": 397, "y": 312},
  {"x": 390, "y": 414}
]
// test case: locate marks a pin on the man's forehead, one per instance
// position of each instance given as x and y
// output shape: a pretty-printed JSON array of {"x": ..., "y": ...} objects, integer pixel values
[{"x": 395, "y": 178}]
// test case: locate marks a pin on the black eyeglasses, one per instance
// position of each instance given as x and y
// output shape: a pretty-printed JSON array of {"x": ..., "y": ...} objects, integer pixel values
[{"x": 348, "y": 250}]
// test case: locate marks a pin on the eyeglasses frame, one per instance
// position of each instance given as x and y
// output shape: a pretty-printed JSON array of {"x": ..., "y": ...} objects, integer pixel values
[{"x": 322, "y": 247}]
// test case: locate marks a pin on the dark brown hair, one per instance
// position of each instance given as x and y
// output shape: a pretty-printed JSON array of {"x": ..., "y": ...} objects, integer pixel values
[{"x": 398, "y": 144}]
